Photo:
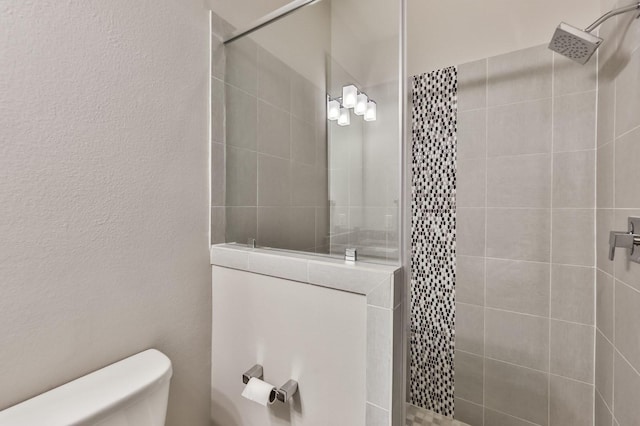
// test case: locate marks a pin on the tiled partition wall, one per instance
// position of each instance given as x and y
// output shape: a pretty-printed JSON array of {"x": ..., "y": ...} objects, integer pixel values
[
  {"x": 269, "y": 150},
  {"x": 618, "y": 197},
  {"x": 525, "y": 241}
]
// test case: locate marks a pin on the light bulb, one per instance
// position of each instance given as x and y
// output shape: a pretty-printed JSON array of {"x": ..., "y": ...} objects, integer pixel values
[
  {"x": 349, "y": 96},
  {"x": 370, "y": 114},
  {"x": 361, "y": 104},
  {"x": 333, "y": 110},
  {"x": 345, "y": 117}
]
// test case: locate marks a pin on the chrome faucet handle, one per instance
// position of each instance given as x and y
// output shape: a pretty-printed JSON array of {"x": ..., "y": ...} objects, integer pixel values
[{"x": 627, "y": 240}]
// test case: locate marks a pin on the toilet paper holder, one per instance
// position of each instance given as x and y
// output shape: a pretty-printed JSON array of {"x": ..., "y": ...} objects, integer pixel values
[{"x": 283, "y": 393}]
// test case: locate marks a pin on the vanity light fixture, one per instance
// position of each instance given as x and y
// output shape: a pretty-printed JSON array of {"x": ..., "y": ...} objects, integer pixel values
[
  {"x": 361, "y": 104},
  {"x": 349, "y": 96},
  {"x": 345, "y": 117},
  {"x": 338, "y": 108},
  {"x": 370, "y": 114},
  {"x": 333, "y": 110}
]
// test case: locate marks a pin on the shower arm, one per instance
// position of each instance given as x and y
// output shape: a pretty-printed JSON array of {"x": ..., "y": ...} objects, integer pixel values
[{"x": 613, "y": 13}]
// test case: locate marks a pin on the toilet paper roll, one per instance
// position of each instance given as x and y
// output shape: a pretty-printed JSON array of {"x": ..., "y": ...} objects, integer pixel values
[{"x": 258, "y": 391}]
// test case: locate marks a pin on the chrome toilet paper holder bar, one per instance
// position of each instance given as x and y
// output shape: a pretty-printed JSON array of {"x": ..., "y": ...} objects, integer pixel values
[
  {"x": 283, "y": 393},
  {"x": 255, "y": 371}
]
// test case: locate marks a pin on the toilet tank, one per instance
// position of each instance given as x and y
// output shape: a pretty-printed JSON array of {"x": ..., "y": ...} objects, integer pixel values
[{"x": 131, "y": 392}]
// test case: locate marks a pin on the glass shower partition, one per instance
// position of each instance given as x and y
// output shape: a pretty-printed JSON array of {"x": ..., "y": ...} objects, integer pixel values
[{"x": 307, "y": 167}]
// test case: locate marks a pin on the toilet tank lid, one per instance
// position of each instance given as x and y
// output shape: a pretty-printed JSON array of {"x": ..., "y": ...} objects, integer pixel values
[{"x": 94, "y": 394}]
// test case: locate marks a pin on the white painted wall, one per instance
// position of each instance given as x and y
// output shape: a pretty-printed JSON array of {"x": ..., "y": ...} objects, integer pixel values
[
  {"x": 104, "y": 193},
  {"x": 298, "y": 331}
]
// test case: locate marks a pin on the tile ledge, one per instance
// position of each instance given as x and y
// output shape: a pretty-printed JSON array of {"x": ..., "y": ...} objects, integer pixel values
[{"x": 236, "y": 256}]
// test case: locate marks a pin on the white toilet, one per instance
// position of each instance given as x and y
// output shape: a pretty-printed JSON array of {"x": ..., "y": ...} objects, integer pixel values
[{"x": 131, "y": 392}]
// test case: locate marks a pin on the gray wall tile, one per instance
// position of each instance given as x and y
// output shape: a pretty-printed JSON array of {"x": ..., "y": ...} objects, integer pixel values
[
  {"x": 241, "y": 64},
  {"x": 518, "y": 286},
  {"x": 470, "y": 234},
  {"x": 626, "y": 391},
  {"x": 468, "y": 412},
  {"x": 573, "y": 293},
  {"x": 470, "y": 280},
  {"x": 604, "y": 182},
  {"x": 274, "y": 78},
  {"x": 574, "y": 175},
  {"x": 376, "y": 416},
  {"x": 379, "y": 327},
  {"x": 303, "y": 142},
  {"x": 304, "y": 99},
  {"x": 628, "y": 96},
  {"x": 469, "y": 377},
  {"x": 274, "y": 226},
  {"x": 217, "y": 110},
  {"x": 532, "y": 227},
  {"x": 604, "y": 303},
  {"x": 470, "y": 183},
  {"x": 470, "y": 328},
  {"x": 604, "y": 368},
  {"x": 571, "y": 402},
  {"x": 304, "y": 185},
  {"x": 504, "y": 391},
  {"x": 218, "y": 180},
  {"x": 522, "y": 181},
  {"x": 572, "y": 347},
  {"x": 574, "y": 122},
  {"x": 573, "y": 237},
  {"x": 603, "y": 416},
  {"x": 274, "y": 130},
  {"x": 606, "y": 111},
  {"x": 242, "y": 179},
  {"x": 241, "y": 224},
  {"x": 496, "y": 418},
  {"x": 627, "y": 153},
  {"x": 523, "y": 128},
  {"x": 241, "y": 116},
  {"x": 627, "y": 323},
  {"x": 302, "y": 229},
  {"x": 274, "y": 181},
  {"x": 518, "y": 339},
  {"x": 570, "y": 77},
  {"x": 472, "y": 85},
  {"x": 519, "y": 76},
  {"x": 217, "y": 225},
  {"x": 604, "y": 224},
  {"x": 472, "y": 134}
]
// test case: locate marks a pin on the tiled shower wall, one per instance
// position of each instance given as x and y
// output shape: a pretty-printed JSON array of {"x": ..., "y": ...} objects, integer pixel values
[
  {"x": 617, "y": 374},
  {"x": 525, "y": 240},
  {"x": 269, "y": 150}
]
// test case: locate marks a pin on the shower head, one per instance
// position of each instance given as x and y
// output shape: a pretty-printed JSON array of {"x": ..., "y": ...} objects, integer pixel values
[
  {"x": 580, "y": 45},
  {"x": 574, "y": 43}
]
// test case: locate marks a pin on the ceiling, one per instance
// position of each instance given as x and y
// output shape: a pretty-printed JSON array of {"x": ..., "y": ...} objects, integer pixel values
[{"x": 443, "y": 32}]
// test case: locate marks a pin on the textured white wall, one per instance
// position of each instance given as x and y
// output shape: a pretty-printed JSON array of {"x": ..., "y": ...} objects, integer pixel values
[{"x": 104, "y": 193}]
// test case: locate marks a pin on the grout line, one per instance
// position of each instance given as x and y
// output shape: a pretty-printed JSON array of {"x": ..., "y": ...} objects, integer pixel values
[
  {"x": 526, "y": 368},
  {"x": 603, "y": 401}
]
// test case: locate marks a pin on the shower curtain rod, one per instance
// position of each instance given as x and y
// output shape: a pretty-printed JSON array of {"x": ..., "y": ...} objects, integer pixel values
[{"x": 267, "y": 19}]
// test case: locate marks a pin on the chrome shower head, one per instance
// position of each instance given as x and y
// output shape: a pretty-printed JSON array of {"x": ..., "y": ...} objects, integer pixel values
[{"x": 574, "y": 43}]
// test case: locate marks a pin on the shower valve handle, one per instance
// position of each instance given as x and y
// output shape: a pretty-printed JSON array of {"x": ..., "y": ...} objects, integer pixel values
[{"x": 627, "y": 240}]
